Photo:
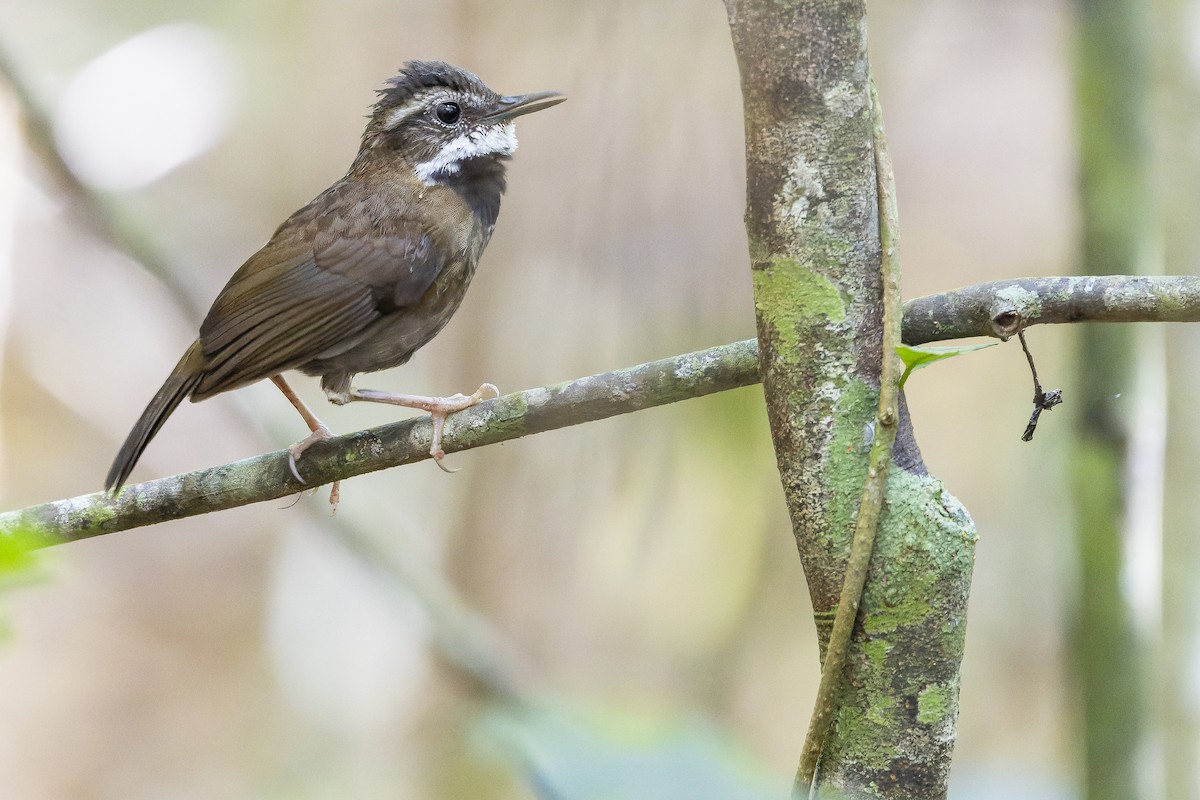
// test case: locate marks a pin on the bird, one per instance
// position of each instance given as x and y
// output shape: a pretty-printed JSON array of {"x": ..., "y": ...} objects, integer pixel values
[{"x": 369, "y": 271}]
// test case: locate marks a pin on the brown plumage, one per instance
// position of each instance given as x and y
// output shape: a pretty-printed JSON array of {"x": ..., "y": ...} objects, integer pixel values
[{"x": 370, "y": 270}]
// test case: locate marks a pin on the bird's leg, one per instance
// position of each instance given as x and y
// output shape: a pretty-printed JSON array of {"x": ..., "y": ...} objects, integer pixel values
[
  {"x": 319, "y": 434},
  {"x": 438, "y": 407}
]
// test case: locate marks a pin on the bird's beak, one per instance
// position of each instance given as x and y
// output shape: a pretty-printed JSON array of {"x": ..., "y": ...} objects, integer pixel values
[{"x": 509, "y": 107}]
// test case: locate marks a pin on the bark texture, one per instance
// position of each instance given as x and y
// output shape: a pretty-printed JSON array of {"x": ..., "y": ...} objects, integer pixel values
[{"x": 813, "y": 229}]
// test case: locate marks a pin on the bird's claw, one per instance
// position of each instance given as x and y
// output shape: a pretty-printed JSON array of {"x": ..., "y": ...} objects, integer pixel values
[
  {"x": 292, "y": 456},
  {"x": 296, "y": 450},
  {"x": 438, "y": 454},
  {"x": 320, "y": 433}
]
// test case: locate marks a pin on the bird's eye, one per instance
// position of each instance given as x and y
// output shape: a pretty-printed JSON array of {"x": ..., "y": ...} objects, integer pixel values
[{"x": 447, "y": 113}]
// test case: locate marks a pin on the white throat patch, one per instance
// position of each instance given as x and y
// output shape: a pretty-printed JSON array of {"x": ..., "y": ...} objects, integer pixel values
[{"x": 495, "y": 140}]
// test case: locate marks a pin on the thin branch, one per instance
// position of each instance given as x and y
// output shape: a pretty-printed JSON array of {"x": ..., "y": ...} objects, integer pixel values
[
  {"x": 875, "y": 487},
  {"x": 1002, "y": 308},
  {"x": 982, "y": 310},
  {"x": 267, "y": 477}
]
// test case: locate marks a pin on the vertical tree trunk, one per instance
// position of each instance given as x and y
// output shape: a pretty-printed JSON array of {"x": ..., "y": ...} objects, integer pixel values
[
  {"x": 812, "y": 224},
  {"x": 1111, "y": 90}
]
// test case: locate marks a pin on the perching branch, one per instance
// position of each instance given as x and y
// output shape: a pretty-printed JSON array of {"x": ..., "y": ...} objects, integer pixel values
[
  {"x": 983, "y": 310},
  {"x": 267, "y": 477}
]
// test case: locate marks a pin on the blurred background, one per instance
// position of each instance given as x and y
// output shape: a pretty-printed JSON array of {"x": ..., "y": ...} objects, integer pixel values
[{"x": 638, "y": 575}]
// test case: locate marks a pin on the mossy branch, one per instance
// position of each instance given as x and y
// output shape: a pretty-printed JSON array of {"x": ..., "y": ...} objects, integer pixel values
[
  {"x": 1001, "y": 308},
  {"x": 267, "y": 477},
  {"x": 875, "y": 487},
  {"x": 972, "y": 311}
]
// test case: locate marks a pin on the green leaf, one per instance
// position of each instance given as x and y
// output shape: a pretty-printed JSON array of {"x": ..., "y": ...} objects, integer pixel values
[
  {"x": 20, "y": 565},
  {"x": 923, "y": 355},
  {"x": 19, "y": 561}
]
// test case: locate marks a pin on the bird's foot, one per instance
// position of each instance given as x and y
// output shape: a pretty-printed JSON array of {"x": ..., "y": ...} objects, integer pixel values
[
  {"x": 319, "y": 434},
  {"x": 452, "y": 405},
  {"x": 438, "y": 407}
]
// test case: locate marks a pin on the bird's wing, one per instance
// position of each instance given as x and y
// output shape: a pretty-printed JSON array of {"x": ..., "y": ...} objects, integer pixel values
[{"x": 291, "y": 302}]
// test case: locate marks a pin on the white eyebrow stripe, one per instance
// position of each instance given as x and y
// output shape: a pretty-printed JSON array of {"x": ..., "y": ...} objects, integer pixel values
[{"x": 409, "y": 109}]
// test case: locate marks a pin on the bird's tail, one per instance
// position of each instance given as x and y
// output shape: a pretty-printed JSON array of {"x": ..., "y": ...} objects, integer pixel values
[{"x": 182, "y": 381}]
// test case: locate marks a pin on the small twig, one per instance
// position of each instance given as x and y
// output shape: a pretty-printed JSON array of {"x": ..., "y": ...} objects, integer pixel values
[
  {"x": 875, "y": 488},
  {"x": 1042, "y": 401},
  {"x": 1037, "y": 385}
]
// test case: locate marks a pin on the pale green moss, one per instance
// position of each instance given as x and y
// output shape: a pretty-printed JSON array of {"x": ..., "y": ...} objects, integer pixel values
[
  {"x": 93, "y": 517},
  {"x": 932, "y": 704},
  {"x": 908, "y": 606},
  {"x": 876, "y": 651},
  {"x": 1024, "y": 301},
  {"x": 506, "y": 421},
  {"x": 792, "y": 296},
  {"x": 869, "y": 736}
]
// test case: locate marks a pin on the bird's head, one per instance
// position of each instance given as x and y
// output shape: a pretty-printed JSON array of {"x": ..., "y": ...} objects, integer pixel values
[{"x": 439, "y": 118}]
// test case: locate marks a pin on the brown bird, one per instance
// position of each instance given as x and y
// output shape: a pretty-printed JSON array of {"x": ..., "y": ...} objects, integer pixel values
[{"x": 370, "y": 270}]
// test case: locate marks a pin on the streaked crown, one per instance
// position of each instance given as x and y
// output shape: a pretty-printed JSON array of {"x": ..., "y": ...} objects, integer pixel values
[{"x": 440, "y": 118}]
